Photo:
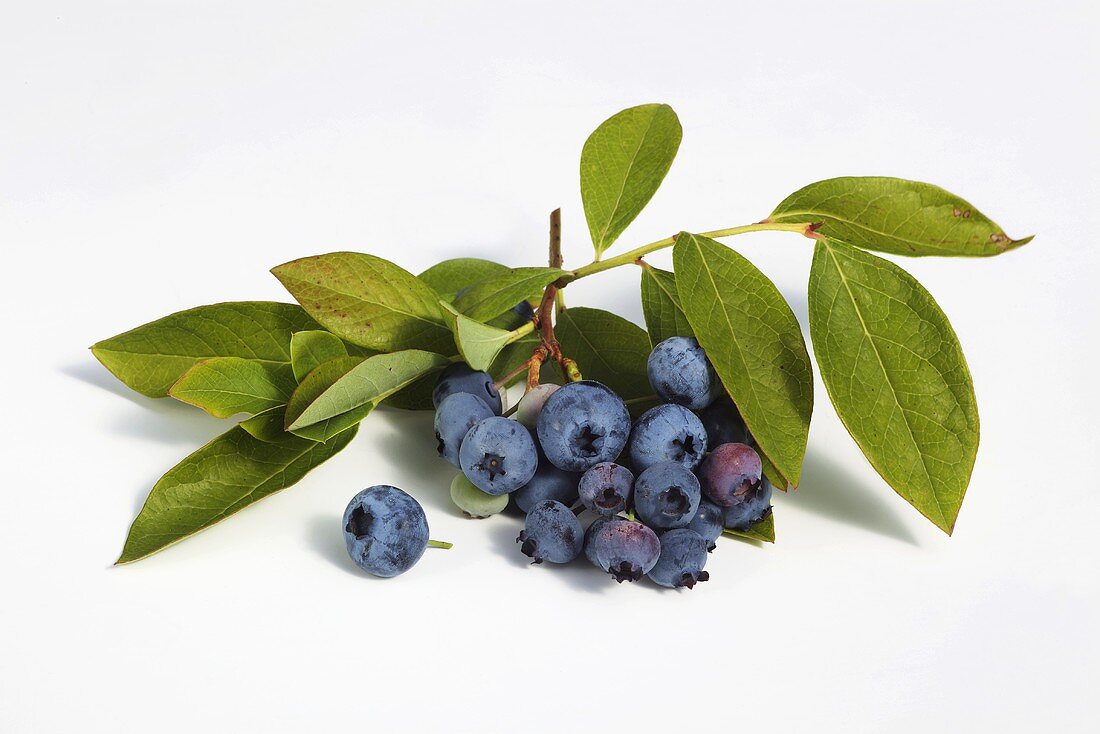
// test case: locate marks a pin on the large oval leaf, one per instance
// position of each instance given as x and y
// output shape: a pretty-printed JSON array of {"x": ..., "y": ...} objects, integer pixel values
[
  {"x": 664, "y": 316},
  {"x": 224, "y": 476},
  {"x": 225, "y": 386},
  {"x": 449, "y": 277},
  {"x": 607, "y": 348},
  {"x": 151, "y": 358},
  {"x": 897, "y": 216},
  {"x": 368, "y": 301},
  {"x": 896, "y": 375},
  {"x": 623, "y": 162},
  {"x": 502, "y": 291},
  {"x": 754, "y": 342}
]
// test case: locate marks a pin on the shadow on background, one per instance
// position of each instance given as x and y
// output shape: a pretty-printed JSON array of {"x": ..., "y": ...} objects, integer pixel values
[
  {"x": 410, "y": 446},
  {"x": 831, "y": 491},
  {"x": 324, "y": 537}
]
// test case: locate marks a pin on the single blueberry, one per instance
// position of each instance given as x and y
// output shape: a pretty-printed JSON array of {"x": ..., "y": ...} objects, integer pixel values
[
  {"x": 530, "y": 405},
  {"x": 667, "y": 433},
  {"x": 590, "y": 536},
  {"x": 549, "y": 483},
  {"x": 551, "y": 533},
  {"x": 472, "y": 501},
  {"x": 385, "y": 530},
  {"x": 457, "y": 414},
  {"x": 524, "y": 310},
  {"x": 666, "y": 496},
  {"x": 708, "y": 522},
  {"x": 606, "y": 488},
  {"x": 582, "y": 424},
  {"x": 730, "y": 471},
  {"x": 459, "y": 377},
  {"x": 723, "y": 422},
  {"x": 625, "y": 549},
  {"x": 680, "y": 373},
  {"x": 683, "y": 556},
  {"x": 498, "y": 455},
  {"x": 751, "y": 507}
]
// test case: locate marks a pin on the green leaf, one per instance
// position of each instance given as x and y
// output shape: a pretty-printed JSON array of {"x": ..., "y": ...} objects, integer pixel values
[
  {"x": 312, "y": 387},
  {"x": 897, "y": 216},
  {"x": 763, "y": 531},
  {"x": 309, "y": 349},
  {"x": 451, "y": 276},
  {"x": 608, "y": 349},
  {"x": 151, "y": 358},
  {"x": 225, "y": 386},
  {"x": 367, "y": 301},
  {"x": 622, "y": 164},
  {"x": 755, "y": 344},
  {"x": 366, "y": 384},
  {"x": 268, "y": 425},
  {"x": 664, "y": 316},
  {"x": 478, "y": 343},
  {"x": 228, "y": 474},
  {"x": 500, "y": 292},
  {"x": 896, "y": 374}
]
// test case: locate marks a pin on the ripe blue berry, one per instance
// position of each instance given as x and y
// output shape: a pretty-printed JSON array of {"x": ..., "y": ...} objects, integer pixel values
[
  {"x": 582, "y": 424},
  {"x": 667, "y": 433},
  {"x": 498, "y": 455},
  {"x": 708, "y": 522},
  {"x": 751, "y": 507},
  {"x": 551, "y": 533},
  {"x": 666, "y": 496},
  {"x": 457, "y": 414},
  {"x": 680, "y": 373},
  {"x": 549, "y": 483},
  {"x": 606, "y": 488},
  {"x": 683, "y": 555},
  {"x": 625, "y": 549},
  {"x": 590, "y": 535},
  {"x": 385, "y": 530},
  {"x": 723, "y": 422},
  {"x": 459, "y": 377},
  {"x": 729, "y": 472}
]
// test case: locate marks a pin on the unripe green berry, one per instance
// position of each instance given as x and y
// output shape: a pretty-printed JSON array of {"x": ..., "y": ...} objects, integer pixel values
[{"x": 472, "y": 501}]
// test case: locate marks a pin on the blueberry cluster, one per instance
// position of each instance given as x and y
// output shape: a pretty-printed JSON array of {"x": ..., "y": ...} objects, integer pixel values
[{"x": 660, "y": 490}]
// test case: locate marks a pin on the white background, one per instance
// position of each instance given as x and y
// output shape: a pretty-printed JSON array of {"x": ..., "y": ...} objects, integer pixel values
[{"x": 156, "y": 156}]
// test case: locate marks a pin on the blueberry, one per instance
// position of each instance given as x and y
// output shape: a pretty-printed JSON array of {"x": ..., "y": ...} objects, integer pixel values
[
  {"x": 752, "y": 507},
  {"x": 457, "y": 414},
  {"x": 459, "y": 377},
  {"x": 582, "y": 424},
  {"x": 708, "y": 522},
  {"x": 666, "y": 496},
  {"x": 472, "y": 501},
  {"x": 667, "y": 433},
  {"x": 590, "y": 535},
  {"x": 385, "y": 530},
  {"x": 524, "y": 310},
  {"x": 730, "y": 471},
  {"x": 498, "y": 455},
  {"x": 723, "y": 422},
  {"x": 625, "y": 549},
  {"x": 530, "y": 405},
  {"x": 683, "y": 555},
  {"x": 605, "y": 488},
  {"x": 549, "y": 483},
  {"x": 680, "y": 373},
  {"x": 551, "y": 533}
]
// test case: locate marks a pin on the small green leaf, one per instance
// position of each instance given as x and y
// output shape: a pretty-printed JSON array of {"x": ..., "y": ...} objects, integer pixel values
[
  {"x": 755, "y": 344},
  {"x": 152, "y": 358},
  {"x": 266, "y": 426},
  {"x": 622, "y": 165},
  {"x": 451, "y": 276},
  {"x": 312, "y": 387},
  {"x": 478, "y": 343},
  {"x": 664, "y": 316},
  {"x": 366, "y": 384},
  {"x": 763, "y": 531},
  {"x": 608, "y": 348},
  {"x": 897, "y": 216},
  {"x": 309, "y": 349},
  {"x": 498, "y": 293},
  {"x": 368, "y": 301},
  {"x": 896, "y": 374},
  {"x": 225, "y": 386},
  {"x": 225, "y": 476}
]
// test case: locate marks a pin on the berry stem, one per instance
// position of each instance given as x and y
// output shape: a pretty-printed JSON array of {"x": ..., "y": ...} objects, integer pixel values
[{"x": 440, "y": 544}]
